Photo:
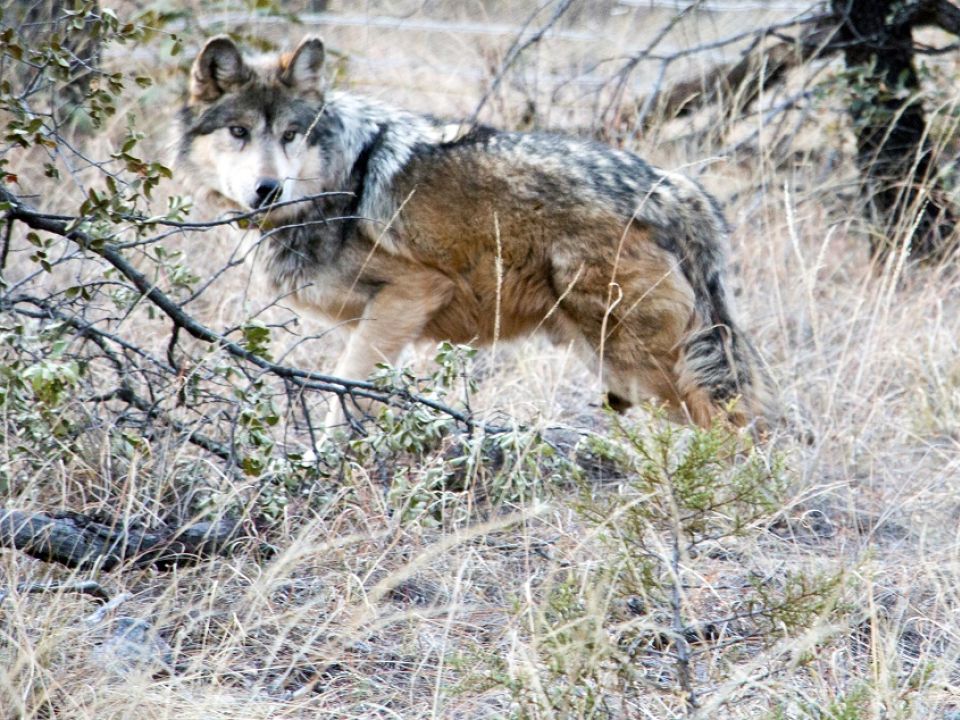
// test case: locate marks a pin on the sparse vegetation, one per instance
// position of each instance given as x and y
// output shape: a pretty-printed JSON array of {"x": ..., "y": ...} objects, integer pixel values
[{"x": 494, "y": 543}]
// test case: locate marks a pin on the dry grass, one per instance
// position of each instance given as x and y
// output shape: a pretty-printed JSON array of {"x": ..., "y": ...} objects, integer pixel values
[{"x": 360, "y": 602}]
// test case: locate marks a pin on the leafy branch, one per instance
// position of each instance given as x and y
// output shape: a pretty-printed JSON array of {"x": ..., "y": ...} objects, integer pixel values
[{"x": 14, "y": 209}]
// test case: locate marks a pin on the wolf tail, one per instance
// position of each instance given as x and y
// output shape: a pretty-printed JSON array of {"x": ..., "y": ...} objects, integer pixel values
[{"x": 719, "y": 371}]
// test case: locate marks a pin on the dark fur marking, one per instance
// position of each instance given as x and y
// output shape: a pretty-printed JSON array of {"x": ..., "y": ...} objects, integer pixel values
[
  {"x": 720, "y": 312},
  {"x": 477, "y": 135},
  {"x": 358, "y": 181},
  {"x": 617, "y": 403},
  {"x": 325, "y": 130}
]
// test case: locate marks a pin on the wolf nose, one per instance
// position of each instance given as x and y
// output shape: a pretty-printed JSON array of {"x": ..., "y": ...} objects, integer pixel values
[{"x": 268, "y": 190}]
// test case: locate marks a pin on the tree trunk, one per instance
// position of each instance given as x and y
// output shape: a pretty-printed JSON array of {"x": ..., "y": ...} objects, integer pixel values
[{"x": 894, "y": 154}]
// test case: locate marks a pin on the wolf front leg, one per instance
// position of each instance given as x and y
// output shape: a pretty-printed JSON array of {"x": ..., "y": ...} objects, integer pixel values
[{"x": 394, "y": 318}]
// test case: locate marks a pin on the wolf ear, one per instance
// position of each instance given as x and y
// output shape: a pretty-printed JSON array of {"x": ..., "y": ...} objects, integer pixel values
[
  {"x": 218, "y": 68},
  {"x": 301, "y": 70}
]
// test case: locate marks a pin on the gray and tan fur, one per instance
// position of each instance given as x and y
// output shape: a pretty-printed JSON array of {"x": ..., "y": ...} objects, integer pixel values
[{"x": 593, "y": 245}]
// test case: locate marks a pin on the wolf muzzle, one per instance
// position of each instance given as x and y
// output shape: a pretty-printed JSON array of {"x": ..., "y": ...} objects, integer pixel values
[{"x": 268, "y": 190}]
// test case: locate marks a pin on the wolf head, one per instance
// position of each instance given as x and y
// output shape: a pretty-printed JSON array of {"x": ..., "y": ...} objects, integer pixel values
[{"x": 248, "y": 124}]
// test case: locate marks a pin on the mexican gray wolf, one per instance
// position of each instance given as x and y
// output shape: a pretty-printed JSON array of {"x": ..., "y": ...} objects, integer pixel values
[{"x": 385, "y": 221}]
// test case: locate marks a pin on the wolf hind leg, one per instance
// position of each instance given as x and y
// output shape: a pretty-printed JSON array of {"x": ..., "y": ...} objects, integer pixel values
[
  {"x": 635, "y": 326},
  {"x": 657, "y": 340},
  {"x": 665, "y": 375},
  {"x": 394, "y": 318}
]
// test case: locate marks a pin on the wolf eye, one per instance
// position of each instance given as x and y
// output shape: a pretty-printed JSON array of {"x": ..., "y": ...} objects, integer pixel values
[
  {"x": 288, "y": 136},
  {"x": 239, "y": 132}
]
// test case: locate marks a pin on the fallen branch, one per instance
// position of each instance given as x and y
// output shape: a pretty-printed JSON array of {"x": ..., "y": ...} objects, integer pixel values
[{"x": 78, "y": 541}]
